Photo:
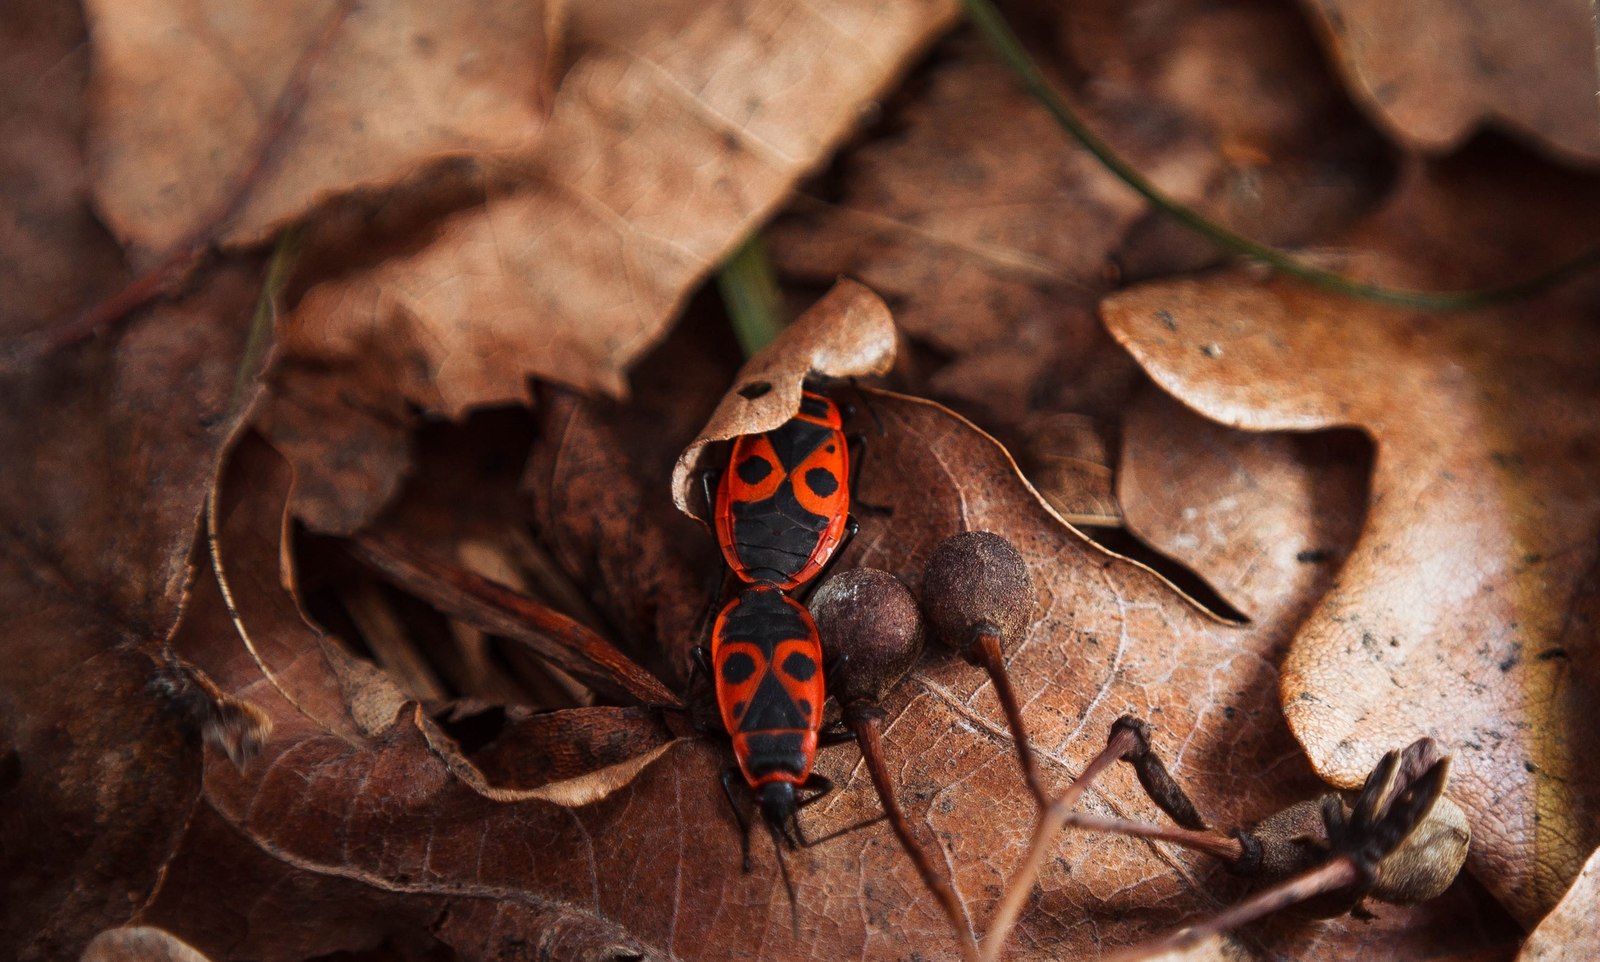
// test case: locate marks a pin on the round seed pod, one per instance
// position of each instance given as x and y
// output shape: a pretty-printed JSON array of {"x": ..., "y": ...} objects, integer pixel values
[
  {"x": 1292, "y": 841},
  {"x": 870, "y": 617},
  {"x": 974, "y": 580},
  {"x": 1428, "y": 860}
]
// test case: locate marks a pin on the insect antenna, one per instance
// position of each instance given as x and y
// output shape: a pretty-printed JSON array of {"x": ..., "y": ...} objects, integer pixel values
[{"x": 778, "y": 839}]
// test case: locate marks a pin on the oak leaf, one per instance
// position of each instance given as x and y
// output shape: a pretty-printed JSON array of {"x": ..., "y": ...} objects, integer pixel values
[{"x": 1452, "y": 616}]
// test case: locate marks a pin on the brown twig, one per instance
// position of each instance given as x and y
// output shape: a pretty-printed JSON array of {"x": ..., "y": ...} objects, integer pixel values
[
  {"x": 1052, "y": 816},
  {"x": 866, "y": 722},
  {"x": 499, "y": 610},
  {"x": 985, "y": 650},
  {"x": 1215, "y": 844},
  {"x": 1330, "y": 876}
]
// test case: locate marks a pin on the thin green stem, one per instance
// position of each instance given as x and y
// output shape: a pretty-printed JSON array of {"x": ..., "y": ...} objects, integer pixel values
[
  {"x": 750, "y": 292},
  {"x": 266, "y": 315},
  {"x": 987, "y": 19}
]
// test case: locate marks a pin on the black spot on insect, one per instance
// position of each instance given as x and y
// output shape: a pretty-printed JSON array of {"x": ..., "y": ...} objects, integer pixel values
[
  {"x": 822, "y": 481},
  {"x": 805, "y": 706},
  {"x": 799, "y": 666},
  {"x": 813, "y": 405},
  {"x": 737, "y": 668},
  {"x": 738, "y": 709},
  {"x": 754, "y": 390},
  {"x": 752, "y": 469}
]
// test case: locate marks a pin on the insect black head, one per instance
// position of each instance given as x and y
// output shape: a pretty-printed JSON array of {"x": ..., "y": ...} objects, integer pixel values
[{"x": 777, "y": 803}]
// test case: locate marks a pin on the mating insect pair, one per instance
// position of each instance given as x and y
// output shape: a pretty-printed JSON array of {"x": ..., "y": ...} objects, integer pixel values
[{"x": 782, "y": 513}]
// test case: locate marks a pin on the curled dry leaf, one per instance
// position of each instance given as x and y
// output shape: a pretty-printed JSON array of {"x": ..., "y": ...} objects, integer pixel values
[
  {"x": 1571, "y": 932},
  {"x": 1454, "y": 614},
  {"x": 356, "y": 790},
  {"x": 107, "y": 458},
  {"x": 676, "y": 129},
  {"x": 402, "y": 84},
  {"x": 848, "y": 333},
  {"x": 1526, "y": 67},
  {"x": 140, "y": 943}
]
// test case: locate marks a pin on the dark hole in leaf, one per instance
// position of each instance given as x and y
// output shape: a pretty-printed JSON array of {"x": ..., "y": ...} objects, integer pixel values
[{"x": 754, "y": 390}]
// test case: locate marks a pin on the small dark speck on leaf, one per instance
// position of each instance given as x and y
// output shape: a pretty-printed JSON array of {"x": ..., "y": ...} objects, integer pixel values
[
  {"x": 1314, "y": 556},
  {"x": 1166, "y": 318},
  {"x": 1212, "y": 351}
]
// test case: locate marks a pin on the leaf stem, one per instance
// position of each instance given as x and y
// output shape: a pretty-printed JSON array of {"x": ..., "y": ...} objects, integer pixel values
[
  {"x": 1005, "y": 44},
  {"x": 750, "y": 292}
]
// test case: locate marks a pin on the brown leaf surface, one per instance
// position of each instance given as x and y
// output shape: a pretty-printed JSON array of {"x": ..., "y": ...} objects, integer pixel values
[
  {"x": 404, "y": 83},
  {"x": 1571, "y": 932},
  {"x": 54, "y": 256},
  {"x": 1261, "y": 517},
  {"x": 1527, "y": 67},
  {"x": 674, "y": 132},
  {"x": 1453, "y": 615},
  {"x": 848, "y": 333}
]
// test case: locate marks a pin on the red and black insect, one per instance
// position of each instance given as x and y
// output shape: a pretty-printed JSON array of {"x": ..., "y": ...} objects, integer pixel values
[
  {"x": 766, "y": 663},
  {"x": 782, "y": 508}
]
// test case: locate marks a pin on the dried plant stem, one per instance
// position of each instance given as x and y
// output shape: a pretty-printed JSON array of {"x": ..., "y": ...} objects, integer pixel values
[
  {"x": 867, "y": 725},
  {"x": 1215, "y": 844},
  {"x": 495, "y": 608},
  {"x": 1004, "y": 42},
  {"x": 985, "y": 650},
  {"x": 1052, "y": 816},
  {"x": 1330, "y": 876}
]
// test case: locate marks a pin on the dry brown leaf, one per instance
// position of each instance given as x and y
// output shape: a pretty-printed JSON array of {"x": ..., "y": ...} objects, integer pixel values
[
  {"x": 382, "y": 830},
  {"x": 675, "y": 131},
  {"x": 139, "y": 943},
  {"x": 351, "y": 441},
  {"x": 848, "y": 333},
  {"x": 1261, "y": 517},
  {"x": 991, "y": 230},
  {"x": 1571, "y": 932},
  {"x": 1435, "y": 72},
  {"x": 1066, "y": 458},
  {"x": 54, "y": 256},
  {"x": 108, "y": 457},
  {"x": 645, "y": 565},
  {"x": 350, "y": 771},
  {"x": 183, "y": 92},
  {"x": 1453, "y": 615}
]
